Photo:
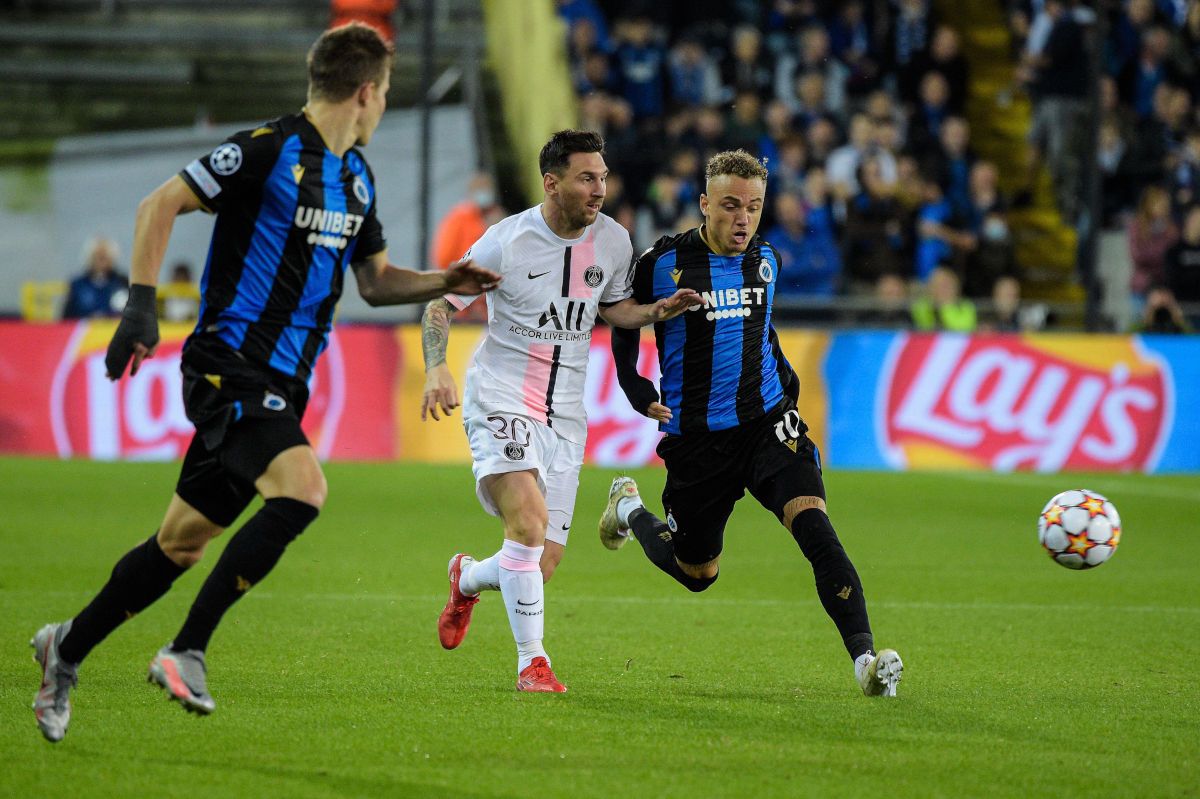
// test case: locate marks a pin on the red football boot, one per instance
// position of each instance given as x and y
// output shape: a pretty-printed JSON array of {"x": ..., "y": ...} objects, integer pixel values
[
  {"x": 538, "y": 678},
  {"x": 456, "y": 616}
]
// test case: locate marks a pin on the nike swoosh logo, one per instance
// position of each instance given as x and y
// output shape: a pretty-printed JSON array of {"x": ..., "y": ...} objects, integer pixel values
[
  {"x": 526, "y": 604},
  {"x": 532, "y": 276},
  {"x": 566, "y": 527}
]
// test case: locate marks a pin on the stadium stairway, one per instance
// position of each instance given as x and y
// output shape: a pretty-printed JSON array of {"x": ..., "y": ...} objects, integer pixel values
[
  {"x": 1000, "y": 116},
  {"x": 76, "y": 66}
]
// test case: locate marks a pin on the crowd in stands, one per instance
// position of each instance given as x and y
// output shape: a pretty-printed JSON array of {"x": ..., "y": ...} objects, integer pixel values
[
  {"x": 856, "y": 106},
  {"x": 1148, "y": 148}
]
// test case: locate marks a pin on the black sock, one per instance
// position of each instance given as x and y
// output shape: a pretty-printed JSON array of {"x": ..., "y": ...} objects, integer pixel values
[
  {"x": 248, "y": 558},
  {"x": 138, "y": 579},
  {"x": 655, "y": 537},
  {"x": 838, "y": 586}
]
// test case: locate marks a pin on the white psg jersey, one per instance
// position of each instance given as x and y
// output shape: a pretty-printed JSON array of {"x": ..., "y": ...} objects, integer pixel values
[{"x": 534, "y": 357}]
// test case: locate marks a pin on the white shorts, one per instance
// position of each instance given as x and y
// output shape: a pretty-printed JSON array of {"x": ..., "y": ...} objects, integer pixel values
[{"x": 504, "y": 442}]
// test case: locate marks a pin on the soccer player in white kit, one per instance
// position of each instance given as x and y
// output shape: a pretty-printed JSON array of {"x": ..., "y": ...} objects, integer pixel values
[{"x": 563, "y": 264}]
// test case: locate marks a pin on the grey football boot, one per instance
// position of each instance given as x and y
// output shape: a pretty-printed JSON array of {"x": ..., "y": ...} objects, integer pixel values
[
  {"x": 52, "y": 705},
  {"x": 183, "y": 675},
  {"x": 879, "y": 674},
  {"x": 612, "y": 533}
]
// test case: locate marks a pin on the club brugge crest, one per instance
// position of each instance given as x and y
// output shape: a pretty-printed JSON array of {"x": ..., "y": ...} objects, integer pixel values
[
  {"x": 593, "y": 275},
  {"x": 765, "y": 272},
  {"x": 671, "y": 525},
  {"x": 514, "y": 451},
  {"x": 360, "y": 191}
]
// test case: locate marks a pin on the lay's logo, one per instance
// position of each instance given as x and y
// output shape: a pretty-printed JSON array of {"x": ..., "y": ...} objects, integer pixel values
[
  {"x": 142, "y": 417},
  {"x": 1042, "y": 403}
]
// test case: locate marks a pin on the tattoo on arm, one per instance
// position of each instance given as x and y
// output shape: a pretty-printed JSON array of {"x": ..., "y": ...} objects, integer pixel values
[{"x": 435, "y": 332}]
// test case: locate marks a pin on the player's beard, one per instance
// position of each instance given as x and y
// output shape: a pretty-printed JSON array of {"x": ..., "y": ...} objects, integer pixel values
[{"x": 582, "y": 217}]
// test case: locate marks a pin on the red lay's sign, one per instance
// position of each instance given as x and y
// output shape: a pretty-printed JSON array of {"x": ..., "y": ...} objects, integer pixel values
[
  {"x": 1041, "y": 403},
  {"x": 142, "y": 417}
]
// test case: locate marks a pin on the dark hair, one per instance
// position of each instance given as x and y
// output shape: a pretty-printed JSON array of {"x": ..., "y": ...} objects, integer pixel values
[
  {"x": 344, "y": 58},
  {"x": 556, "y": 155}
]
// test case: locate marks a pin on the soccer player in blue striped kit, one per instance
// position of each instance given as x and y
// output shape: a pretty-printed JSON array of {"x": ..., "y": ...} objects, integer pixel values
[
  {"x": 728, "y": 408},
  {"x": 295, "y": 204}
]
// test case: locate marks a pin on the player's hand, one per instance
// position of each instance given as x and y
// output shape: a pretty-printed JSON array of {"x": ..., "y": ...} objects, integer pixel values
[
  {"x": 464, "y": 277},
  {"x": 659, "y": 412},
  {"x": 670, "y": 307},
  {"x": 136, "y": 335},
  {"x": 440, "y": 391}
]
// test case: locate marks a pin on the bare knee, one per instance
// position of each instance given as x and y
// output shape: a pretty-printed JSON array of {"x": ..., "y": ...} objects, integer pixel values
[
  {"x": 700, "y": 575},
  {"x": 184, "y": 541},
  {"x": 295, "y": 473},
  {"x": 798, "y": 505},
  {"x": 527, "y": 526}
]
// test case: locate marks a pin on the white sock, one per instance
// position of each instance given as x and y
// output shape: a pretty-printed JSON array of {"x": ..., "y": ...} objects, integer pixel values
[
  {"x": 481, "y": 575},
  {"x": 626, "y": 506},
  {"x": 521, "y": 587}
]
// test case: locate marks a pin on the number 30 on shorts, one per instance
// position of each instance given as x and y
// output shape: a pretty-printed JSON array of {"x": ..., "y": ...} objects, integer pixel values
[
  {"x": 512, "y": 428},
  {"x": 789, "y": 428}
]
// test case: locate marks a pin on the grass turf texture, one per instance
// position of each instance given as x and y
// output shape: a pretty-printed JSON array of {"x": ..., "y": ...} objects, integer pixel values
[{"x": 1021, "y": 679}]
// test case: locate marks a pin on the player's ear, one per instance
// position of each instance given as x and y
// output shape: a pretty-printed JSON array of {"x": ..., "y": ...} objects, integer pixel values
[
  {"x": 704, "y": 205},
  {"x": 550, "y": 182},
  {"x": 363, "y": 95}
]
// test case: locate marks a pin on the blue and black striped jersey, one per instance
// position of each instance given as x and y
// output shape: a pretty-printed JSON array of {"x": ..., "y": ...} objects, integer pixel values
[
  {"x": 290, "y": 217},
  {"x": 721, "y": 364}
]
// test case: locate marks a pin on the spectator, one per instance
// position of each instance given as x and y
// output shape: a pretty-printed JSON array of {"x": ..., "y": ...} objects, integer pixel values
[
  {"x": 925, "y": 126},
  {"x": 876, "y": 241},
  {"x": 748, "y": 67},
  {"x": 942, "y": 307},
  {"x": 639, "y": 68},
  {"x": 1151, "y": 234},
  {"x": 1185, "y": 178},
  {"x": 994, "y": 257},
  {"x": 1143, "y": 75},
  {"x": 891, "y": 303},
  {"x": 787, "y": 174},
  {"x": 814, "y": 56},
  {"x": 953, "y": 163},
  {"x": 810, "y": 263},
  {"x": 744, "y": 124},
  {"x": 462, "y": 226},
  {"x": 101, "y": 289},
  {"x": 1061, "y": 86},
  {"x": 939, "y": 236},
  {"x": 909, "y": 39},
  {"x": 575, "y": 12},
  {"x": 1162, "y": 314},
  {"x": 1182, "y": 261},
  {"x": 694, "y": 79},
  {"x": 851, "y": 42},
  {"x": 1005, "y": 313},
  {"x": 808, "y": 103},
  {"x": 465, "y": 222},
  {"x": 179, "y": 297},
  {"x": 376, "y": 13},
  {"x": 945, "y": 56},
  {"x": 1116, "y": 187}
]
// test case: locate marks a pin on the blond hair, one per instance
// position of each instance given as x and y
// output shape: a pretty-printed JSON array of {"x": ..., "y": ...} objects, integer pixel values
[{"x": 738, "y": 163}]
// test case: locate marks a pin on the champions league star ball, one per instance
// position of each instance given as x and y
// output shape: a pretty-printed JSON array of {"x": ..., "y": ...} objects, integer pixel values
[{"x": 1080, "y": 529}]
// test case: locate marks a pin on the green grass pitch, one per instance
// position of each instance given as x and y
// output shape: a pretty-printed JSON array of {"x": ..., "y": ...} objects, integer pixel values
[{"x": 1021, "y": 678}]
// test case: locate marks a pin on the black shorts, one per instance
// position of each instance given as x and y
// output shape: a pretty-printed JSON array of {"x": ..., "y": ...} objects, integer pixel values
[
  {"x": 244, "y": 416},
  {"x": 707, "y": 473}
]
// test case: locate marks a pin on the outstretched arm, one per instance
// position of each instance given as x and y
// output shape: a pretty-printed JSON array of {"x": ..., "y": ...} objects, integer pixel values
[
  {"x": 380, "y": 283},
  {"x": 440, "y": 389},
  {"x": 640, "y": 391},
  {"x": 628, "y": 313},
  {"x": 137, "y": 334}
]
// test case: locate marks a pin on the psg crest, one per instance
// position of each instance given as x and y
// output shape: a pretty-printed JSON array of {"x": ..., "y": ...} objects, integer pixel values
[
  {"x": 593, "y": 275},
  {"x": 514, "y": 451}
]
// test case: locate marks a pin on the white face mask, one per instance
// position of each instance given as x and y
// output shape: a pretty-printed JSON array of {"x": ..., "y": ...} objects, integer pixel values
[
  {"x": 483, "y": 198},
  {"x": 995, "y": 229}
]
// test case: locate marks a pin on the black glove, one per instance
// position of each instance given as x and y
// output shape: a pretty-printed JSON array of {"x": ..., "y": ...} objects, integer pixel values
[{"x": 139, "y": 325}]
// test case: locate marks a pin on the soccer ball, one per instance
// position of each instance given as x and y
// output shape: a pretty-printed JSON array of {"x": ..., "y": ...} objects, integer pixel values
[{"x": 1080, "y": 529}]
